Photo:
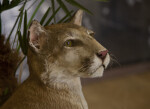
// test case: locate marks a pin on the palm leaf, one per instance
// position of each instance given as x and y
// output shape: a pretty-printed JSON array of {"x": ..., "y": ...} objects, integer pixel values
[
  {"x": 66, "y": 16},
  {"x": 62, "y": 5},
  {"x": 103, "y": 0},
  {"x": 74, "y": 3},
  {"x": 32, "y": 4},
  {"x": 6, "y": 5},
  {"x": 19, "y": 63},
  {"x": 19, "y": 25},
  {"x": 34, "y": 13},
  {"x": 45, "y": 16},
  {"x": 0, "y": 25},
  {"x": 49, "y": 20},
  {"x": 25, "y": 34},
  {"x": 53, "y": 8},
  {"x": 20, "y": 40},
  {"x": 13, "y": 27}
]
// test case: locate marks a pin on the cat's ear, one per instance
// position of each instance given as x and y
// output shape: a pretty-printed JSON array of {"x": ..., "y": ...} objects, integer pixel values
[
  {"x": 36, "y": 33},
  {"x": 77, "y": 18}
]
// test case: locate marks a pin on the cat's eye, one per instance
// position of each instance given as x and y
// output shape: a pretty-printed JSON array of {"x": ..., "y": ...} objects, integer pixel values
[{"x": 68, "y": 43}]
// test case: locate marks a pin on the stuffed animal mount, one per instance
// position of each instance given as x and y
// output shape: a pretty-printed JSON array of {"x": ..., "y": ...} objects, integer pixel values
[{"x": 58, "y": 55}]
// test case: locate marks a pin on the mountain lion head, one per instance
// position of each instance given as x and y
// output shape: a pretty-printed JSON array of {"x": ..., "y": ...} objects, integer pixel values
[{"x": 65, "y": 51}]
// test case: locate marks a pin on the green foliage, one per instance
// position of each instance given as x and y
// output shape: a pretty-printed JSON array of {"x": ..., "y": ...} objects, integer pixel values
[
  {"x": 76, "y": 4},
  {"x": 0, "y": 24},
  {"x": 103, "y": 0},
  {"x": 45, "y": 16},
  {"x": 64, "y": 19},
  {"x": 63, "y": 6},
  {"x": 7, "y": 5},
  {"x": 52, "y": 16},
  {"x": 53, "y": 8},
  {"x": 35, "y": 11}
]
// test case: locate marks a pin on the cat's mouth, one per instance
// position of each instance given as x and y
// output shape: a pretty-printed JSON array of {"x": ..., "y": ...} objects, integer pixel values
[
  {"x": 104, "y": 66},
  {"x": 101, "y": 66},
  {"x": 98, "y": 72},
  {"x": 98, "y": 67},
  {"x": 95, "y": 70}
]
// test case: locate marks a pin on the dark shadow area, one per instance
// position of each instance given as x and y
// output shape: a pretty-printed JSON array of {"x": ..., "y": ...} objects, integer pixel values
[{"x": 125, "y": 29}]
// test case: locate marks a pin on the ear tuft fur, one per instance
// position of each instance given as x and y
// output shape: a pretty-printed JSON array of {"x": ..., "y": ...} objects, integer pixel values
[{"x": 77, "y": 18}]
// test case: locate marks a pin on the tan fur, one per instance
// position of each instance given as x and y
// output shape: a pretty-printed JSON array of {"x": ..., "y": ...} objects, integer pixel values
[{"x": 55, "y": 69}]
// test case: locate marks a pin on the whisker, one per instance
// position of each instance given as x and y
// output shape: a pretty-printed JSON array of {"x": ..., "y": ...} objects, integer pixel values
[
  {"x": 85, "y": 66},
  {"x": 113, "y": 60}
]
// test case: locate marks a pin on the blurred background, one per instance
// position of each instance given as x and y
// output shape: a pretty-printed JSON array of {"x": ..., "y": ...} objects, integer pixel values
[{"x": 123, "y": 27}]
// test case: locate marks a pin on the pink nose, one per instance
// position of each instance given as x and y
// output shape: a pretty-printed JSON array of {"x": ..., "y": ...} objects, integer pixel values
[{"x": 102, "y": 54}]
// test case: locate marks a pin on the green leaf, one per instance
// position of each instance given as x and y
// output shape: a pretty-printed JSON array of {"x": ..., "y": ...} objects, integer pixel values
[
  {"x": 13, "y": 27},
  {"x": 67, "y": 15},
  {"x": 102, "y": 0},
  {"x": 74, "y": 3},
  {"x": 25, "y": 25},
  {"x": 35, "y": 11},
  {"x": 45, "y": 15},
  {"x": 32, "y": 4},
  {"x": 18, "y": 48},
  {"x": 0, "y": 25},
  {"x": 20, "y": 15},
  {"x": 22, "y": 8},
  {"x": 49, "y": 20},
  {"x": 68, "y": 19},
  {"x": 53, "y": 8},
  {"x": 25, "y": 34},
  {"x": 19, "y": 25},
  {"x": 20, "y": 22},
  {"x": 6, "y": 5},
  {"x": 62, "y": 5},
  {"x": 20, "y": 40},
  {"x": 23, "y": 39},
  {"x": 19, "y": 64}
]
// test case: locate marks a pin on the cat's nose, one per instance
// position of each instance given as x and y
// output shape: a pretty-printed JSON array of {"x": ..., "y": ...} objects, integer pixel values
[{"x": 102, "y": 54}]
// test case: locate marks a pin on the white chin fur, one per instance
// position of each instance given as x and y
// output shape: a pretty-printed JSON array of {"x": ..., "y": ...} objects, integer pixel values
[
  {"x": 98, "y": 72},
  {"x": 107, "y": 60},
  {"x": 97, "y": 66}
]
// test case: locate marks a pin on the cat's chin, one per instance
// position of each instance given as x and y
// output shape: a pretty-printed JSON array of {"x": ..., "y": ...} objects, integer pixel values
[{"x": 98, "y": 73}]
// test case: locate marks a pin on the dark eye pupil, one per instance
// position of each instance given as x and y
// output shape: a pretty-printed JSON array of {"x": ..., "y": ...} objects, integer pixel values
[{"x": 68, "y": 43}]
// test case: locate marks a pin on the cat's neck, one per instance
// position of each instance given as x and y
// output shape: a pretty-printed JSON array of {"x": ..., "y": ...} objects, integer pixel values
[
  {"x": 71, "y": 85},
  {"x": 60, "y": 81},
  {"x": 55, "y": 82}
]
